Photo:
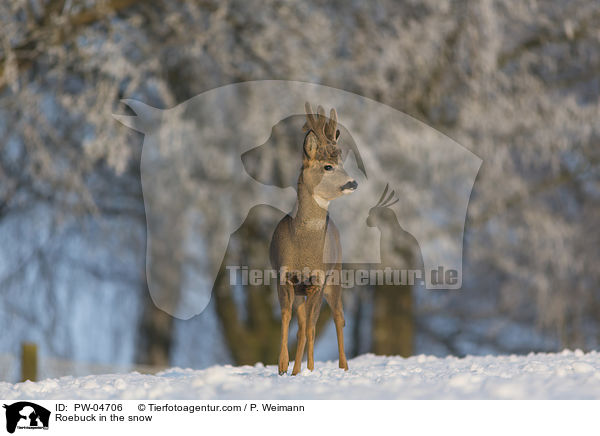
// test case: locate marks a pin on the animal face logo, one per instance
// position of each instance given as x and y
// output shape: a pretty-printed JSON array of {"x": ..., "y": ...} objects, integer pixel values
[
  {"x": 210, "y": 160},
  {"x": 27, "y": 415}
]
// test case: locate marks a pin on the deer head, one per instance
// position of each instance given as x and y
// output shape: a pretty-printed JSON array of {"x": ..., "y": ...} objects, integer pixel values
[
  {"x": 381, "y": 212},
  {"x": 322, "y": 166}
]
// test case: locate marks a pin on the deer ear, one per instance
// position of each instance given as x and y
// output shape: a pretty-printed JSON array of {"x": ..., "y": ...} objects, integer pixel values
[{"x": 310, "y": 145}]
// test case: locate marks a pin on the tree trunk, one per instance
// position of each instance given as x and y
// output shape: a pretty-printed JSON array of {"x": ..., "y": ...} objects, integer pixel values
[
  {"x": 393, "y": 328},
  {"x": 155, "y": 335}
]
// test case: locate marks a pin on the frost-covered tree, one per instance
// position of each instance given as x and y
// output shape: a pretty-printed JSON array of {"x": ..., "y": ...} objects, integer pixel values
[{"x": 515, "y": 82}]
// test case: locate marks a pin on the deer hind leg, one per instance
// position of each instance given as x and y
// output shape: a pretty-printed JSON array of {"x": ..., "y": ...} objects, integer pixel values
[
  {"x": 333, "y": 296},
  {"x": 286, "y": 300},
  {"x": 301, "y": 336}
]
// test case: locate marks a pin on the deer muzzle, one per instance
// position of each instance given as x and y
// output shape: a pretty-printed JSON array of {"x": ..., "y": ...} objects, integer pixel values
[{"x": 349, "y": 187}]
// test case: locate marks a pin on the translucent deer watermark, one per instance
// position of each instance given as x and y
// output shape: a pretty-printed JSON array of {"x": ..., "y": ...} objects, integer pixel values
[{"x": 211, "y": 160}]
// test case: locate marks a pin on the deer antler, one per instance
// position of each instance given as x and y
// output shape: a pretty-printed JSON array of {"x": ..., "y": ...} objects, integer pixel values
[
  {"x": 386, "y": 202},
  {"x": 331, "y": 125},
  {"x": 324, "y": 127}
]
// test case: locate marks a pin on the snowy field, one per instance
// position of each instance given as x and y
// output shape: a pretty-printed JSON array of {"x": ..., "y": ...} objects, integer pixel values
[{"x": 566, "y": 375}]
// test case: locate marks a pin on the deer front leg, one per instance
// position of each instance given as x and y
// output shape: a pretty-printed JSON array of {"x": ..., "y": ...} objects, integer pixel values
[
  {"x": 338, "y": 319},
  {"x": 313, "y": 306},
  {"x": 333, "y": 296},
  {"x": 301, "y": 336},
  {"x": 286, "y": 299},
  {"x": 284, "y": 358}
]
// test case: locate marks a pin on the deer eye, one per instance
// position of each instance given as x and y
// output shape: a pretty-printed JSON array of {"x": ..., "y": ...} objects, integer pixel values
[{"x": 327, "y": 167}]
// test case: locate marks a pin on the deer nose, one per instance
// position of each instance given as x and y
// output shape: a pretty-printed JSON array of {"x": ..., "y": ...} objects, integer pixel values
[{"x": 351, "y": 185}]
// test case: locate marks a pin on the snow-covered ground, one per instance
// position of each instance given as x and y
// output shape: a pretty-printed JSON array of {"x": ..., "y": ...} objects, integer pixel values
[{"x": 566, "y": 375}]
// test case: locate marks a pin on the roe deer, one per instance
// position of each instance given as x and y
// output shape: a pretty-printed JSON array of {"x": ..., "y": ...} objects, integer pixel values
[{"x": 300, "y": 243}]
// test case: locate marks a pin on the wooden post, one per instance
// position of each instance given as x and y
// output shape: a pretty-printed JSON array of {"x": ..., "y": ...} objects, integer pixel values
[{"x": 28, "y": 361}]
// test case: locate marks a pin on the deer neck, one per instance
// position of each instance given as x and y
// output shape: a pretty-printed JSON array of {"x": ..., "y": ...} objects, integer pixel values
[{"x": 312, "y": 211}]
